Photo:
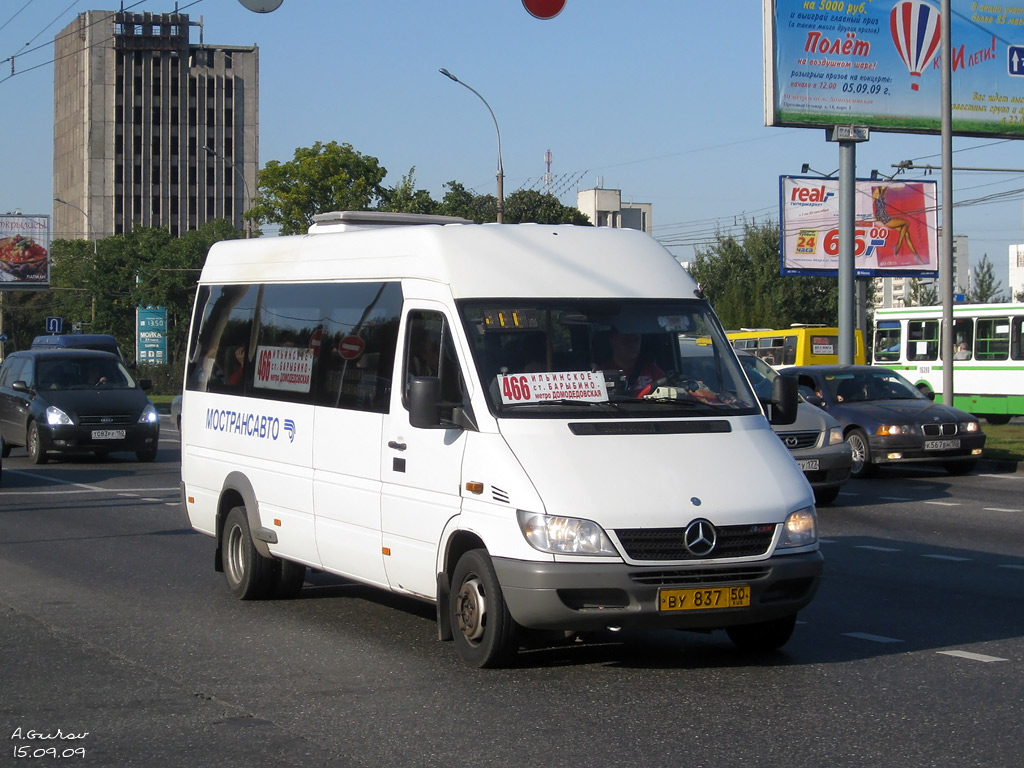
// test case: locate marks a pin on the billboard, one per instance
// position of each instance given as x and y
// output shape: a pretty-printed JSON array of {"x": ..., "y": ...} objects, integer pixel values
[
  {"x": 896, "y": 227},
  {"x": 24, "y": 252},
  {"x": 878, "y": 63}
]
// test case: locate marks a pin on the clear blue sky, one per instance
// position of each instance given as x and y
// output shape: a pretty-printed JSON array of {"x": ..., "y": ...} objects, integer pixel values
[{"x": 662, "y": 99}]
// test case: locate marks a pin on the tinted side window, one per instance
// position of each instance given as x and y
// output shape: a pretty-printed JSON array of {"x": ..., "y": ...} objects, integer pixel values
[
  {"x": 329, "y": 344},
  {"x": 10, "y": 371}
]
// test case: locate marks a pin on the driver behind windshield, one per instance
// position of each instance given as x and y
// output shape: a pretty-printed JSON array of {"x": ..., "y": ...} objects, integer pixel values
[{"x": 642, "y": 374}]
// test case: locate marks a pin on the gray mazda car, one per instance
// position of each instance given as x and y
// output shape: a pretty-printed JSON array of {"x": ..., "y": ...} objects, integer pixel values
[
  {"x": 886, "y": 420},
  {"x": 815, "y": 439}
]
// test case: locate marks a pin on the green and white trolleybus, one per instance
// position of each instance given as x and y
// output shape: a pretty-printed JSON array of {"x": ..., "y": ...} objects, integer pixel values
[{"x": 988, "y": 362}]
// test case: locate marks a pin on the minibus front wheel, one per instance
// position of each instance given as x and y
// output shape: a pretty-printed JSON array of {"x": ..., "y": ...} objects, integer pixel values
[
  {"x": 250, "y": 575},
  {"x": 484, "y": 631}
]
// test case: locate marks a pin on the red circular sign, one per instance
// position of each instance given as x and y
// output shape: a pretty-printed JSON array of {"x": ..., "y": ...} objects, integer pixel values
[
  {"x": 314, "y": 341},
  {"x": 544, "y": 9},
  {"x": 351, "y": 347}
]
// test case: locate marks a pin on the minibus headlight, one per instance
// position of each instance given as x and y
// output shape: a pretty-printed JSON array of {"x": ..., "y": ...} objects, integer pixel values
[
  {"x": 800, "y": 528},
  {"x": 835, "y": 436},
  {"x": 55, "y": 416},
  {"x": 149, "y": 415},
  {"x": 565, "y": 535}
]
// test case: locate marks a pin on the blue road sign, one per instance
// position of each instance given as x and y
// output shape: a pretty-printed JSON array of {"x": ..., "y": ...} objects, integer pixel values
[
  {"x": 54, "y": 324},
  {"x": 1015, "y": 60}
]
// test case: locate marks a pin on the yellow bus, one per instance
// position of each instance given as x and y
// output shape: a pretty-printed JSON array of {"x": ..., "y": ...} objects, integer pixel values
[{"x": 796, "y": 345}]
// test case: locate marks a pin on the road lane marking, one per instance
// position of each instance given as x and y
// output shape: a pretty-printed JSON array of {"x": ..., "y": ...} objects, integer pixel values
[
  {"x": 1012, "y": 567},
  {"x": 877, "y": 549},
  {"x": 949, "y": 558},
  {"x": 1000, "y": 509},
  {"x": 872, "y": 638},
  {"x": 971, "y": 656},
  {"x": 895, "y": 498},
  {"x": 944, "y": 503}
]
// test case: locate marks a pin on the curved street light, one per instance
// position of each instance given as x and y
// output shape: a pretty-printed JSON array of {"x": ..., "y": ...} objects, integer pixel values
[
  {"x": 245, "y": 185},
  {"x": 501, "y": 175}
]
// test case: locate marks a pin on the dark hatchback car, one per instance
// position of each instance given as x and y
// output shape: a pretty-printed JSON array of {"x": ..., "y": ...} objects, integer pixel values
[
  {"x": 887, "y": 420},
  {"x": 74, "y": 401}
]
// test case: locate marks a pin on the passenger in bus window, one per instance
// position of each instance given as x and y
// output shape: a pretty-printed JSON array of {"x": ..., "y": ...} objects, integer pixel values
[{"x": 962, "y": 352}]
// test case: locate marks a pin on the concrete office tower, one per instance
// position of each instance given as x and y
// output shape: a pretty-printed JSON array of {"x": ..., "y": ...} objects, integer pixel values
[{"x": 135, "y": 105}]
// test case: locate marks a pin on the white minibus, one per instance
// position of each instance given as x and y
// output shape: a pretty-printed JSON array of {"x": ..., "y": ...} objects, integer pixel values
[{"x": 533, "y": 427}]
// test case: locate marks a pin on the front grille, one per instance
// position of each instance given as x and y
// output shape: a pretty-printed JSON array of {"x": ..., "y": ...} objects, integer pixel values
[
  {"x": 668, "y": 543},
  {"x": 940, "y": 430},
  {"x": 797, "y": 440},
  {"x": 116, "y": 420},
  {"x": 699, "y": 576}
]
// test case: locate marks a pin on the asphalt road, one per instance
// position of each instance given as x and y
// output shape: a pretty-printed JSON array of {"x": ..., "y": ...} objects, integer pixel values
[{"x": 115, "y": 628}]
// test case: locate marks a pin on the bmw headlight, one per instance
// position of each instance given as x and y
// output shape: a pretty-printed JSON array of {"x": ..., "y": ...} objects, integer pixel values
[
  {"x": 970, "y": 426},
  {"x": 800, "y": 528},
  {"x": 56, "y": 417},
  {"x": 565, "y": 535},
  {"x": 891, "y": 430},
  {"x": 835, "y": 436},
  {"x": 149, "y": 415}
]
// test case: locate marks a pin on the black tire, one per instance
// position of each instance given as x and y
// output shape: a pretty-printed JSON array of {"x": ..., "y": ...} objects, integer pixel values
[
  {"x": 146, "y": 454},
  {"x": 823, "y": 496},
  {"x": 960, "y": 467},
  {"x": 5, "y": 449},
  {"x": 998, "y": 419},
  {"x": 764, "y": 636},
  {"x": 291, "y": 579},
  {"x": 484, "y": 631},
  {"x": 862, "y": 466},
  {"x": 34, "y": 445},
  {"x": 250, "y": 575}
]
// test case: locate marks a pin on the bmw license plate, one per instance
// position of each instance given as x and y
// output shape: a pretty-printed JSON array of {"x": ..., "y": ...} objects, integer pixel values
[
  {"x": 807, "y": 464},
  {"x": 941, "y": 445},
  {"x": 701, "y": 599},
  {"x": 108, "y": 434}
]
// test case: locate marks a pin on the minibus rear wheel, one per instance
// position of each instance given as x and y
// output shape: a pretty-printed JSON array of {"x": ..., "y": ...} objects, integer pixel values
[
  {"x": 484, "y": 631},
  {"x": 250, "y": 575}
]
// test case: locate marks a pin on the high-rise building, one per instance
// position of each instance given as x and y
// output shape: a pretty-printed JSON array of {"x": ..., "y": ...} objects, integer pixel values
[
  {"x": 151, "y": 129},
  {"x": 1015, "y": 271}
]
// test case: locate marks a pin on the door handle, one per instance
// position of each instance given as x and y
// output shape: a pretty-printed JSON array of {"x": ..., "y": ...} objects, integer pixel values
[{"x": 396, "y": 445}]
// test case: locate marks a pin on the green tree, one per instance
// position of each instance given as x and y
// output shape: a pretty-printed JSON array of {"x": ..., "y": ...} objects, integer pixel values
[
  {"x": 459, "y": 201},
  {"x": 923, "y": 294},
  {"x": 741, "y": 279},
  {"x": 321, "y": 178},
  {"x": 405, "y": 198},
  {"x": 985, "y": 288},
  {"x": 529, "y": 205}
]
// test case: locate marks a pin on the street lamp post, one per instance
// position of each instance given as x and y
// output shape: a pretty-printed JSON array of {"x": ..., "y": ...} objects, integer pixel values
[
  {"x": 238, "y": 172},
  {"x": 501, "y": 174},
  {"x": 92, "y": 236}
]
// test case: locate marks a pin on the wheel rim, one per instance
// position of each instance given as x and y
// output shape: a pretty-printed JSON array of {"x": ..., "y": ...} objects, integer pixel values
[
  {"x": 471, "y": 609},
  {"x": 235, "y": 559},
  {"x": 33, "y": 441},
  {"x": 858, "y": 453}
]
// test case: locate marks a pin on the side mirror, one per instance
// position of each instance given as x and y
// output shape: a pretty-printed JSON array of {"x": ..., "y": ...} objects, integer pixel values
[
  {"x": 425, "y": 402},
  {"x": 20, "y": 386},
  {"x": 784, "y": 401}
]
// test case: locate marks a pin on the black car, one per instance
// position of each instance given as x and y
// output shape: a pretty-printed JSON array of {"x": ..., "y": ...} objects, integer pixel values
[
  {"x": 73, "y": 401},
  {"x": 887, "y": 420}
]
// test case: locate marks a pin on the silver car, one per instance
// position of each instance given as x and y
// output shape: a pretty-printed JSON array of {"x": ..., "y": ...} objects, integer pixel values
[{"x": 815, "y": 439}]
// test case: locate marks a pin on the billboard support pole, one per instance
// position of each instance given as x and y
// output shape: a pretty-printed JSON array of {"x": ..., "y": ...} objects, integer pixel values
[
  {"x": 946, "y": 254},
  {"x": 848, "y": 136}
]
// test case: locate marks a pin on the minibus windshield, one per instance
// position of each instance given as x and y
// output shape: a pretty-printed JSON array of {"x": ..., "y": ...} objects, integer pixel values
[{"x": 601, "y": 358}]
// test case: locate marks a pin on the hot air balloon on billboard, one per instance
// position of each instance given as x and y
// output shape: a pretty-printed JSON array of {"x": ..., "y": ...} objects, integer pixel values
[{"x": 915, "y": 31}]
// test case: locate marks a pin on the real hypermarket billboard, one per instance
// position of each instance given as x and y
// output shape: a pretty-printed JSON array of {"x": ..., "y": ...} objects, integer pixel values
[
  {"x": 896, "y": 227},
  {"x": 878, "y": 63}
]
